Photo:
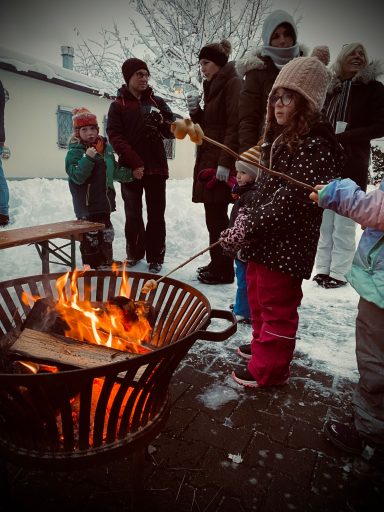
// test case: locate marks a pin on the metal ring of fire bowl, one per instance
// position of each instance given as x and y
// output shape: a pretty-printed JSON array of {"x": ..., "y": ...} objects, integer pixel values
[{"x": 116, "y": 408}]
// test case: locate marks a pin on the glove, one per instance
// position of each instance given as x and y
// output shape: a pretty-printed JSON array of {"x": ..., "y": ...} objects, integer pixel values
[
  {"x": 232, "y": 239},
  {"x": 193, "y": 102},
  {"x": 222, "y": 173},
  {"x": 208, "y": 176}
]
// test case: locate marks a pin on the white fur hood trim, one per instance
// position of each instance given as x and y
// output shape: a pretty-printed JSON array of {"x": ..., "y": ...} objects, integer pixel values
[{"x": 253, "y": 59}]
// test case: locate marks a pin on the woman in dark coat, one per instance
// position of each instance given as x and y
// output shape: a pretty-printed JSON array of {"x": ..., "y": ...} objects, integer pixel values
[
  {"x": 260, "y": 67},
  {"x": 214, "y": 168}
]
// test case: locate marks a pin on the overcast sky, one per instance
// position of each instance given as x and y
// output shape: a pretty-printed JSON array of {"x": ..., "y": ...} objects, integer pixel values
[{"x": 40, "y": 27}]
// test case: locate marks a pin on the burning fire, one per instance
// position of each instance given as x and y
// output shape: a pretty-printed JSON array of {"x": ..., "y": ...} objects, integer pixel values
[{"x": 120, "y": 323}]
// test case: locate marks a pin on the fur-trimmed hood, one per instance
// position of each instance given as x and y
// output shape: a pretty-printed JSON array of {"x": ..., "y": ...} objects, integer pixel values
[
  {"x": 368, "y": 74},
  {"x": 253, "y": 59}
]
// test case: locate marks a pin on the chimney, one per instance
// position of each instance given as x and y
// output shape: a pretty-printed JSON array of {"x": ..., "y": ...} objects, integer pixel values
[{"x": 67, "y": 52}]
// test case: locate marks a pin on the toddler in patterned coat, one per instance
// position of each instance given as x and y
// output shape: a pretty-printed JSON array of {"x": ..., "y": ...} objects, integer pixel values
[{"x": 277, "y": 230}]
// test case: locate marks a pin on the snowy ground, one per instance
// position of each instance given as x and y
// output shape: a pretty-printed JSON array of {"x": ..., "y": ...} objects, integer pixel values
[{"x": 327, "y": 317}]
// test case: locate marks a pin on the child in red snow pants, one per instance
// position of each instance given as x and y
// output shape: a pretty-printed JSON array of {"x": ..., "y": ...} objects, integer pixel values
[{"x": 273, "y": 300}]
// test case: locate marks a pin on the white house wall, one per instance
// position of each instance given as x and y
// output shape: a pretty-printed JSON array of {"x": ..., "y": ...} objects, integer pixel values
[
  {"x": 31, "y": 124},
  {"x": 32, "y": 133}
]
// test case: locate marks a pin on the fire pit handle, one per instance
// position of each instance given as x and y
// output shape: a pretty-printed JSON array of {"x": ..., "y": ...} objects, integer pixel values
[{"x": 219, "y": 335}]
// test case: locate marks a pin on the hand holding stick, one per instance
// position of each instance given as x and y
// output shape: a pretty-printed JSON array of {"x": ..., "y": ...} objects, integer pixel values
[{"x": 182, "y": 127}]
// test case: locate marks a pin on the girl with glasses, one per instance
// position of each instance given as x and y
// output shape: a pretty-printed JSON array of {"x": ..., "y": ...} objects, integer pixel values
[{"x": 277, "y": 231}]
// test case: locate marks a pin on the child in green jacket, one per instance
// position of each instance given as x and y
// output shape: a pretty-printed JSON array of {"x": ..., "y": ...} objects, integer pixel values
[{"x": 91, "y": 167}]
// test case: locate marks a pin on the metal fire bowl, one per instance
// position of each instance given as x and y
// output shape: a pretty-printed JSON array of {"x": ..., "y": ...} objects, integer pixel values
[{"x": 121, "y": 406}]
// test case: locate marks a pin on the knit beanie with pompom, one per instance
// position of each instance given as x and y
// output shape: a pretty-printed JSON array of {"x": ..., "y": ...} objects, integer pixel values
[
  {"x": 216, "y": 52},
  {"x": 83, "y": 117},
  {"x": 307, "y": 76}
]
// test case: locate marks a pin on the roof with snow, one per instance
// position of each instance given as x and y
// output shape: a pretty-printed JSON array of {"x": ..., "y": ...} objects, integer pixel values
[{"x": 42, "y": 70}]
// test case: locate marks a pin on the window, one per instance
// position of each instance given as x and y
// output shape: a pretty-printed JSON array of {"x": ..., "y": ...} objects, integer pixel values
[
  {"x": 64, "y": 126},
  {"x": 169, "y": 145}
]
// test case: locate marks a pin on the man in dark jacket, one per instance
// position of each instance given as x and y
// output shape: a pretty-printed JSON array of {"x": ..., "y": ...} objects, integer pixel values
[{"x": 138, "y": 122}]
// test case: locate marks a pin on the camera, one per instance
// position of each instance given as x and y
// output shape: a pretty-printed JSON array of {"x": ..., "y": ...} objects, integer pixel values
[{"x": 152, "y": 121}]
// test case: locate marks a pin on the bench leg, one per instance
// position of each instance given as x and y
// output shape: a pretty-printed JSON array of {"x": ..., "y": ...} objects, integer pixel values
[
  {"x": 44, "y": 257},
  {"x": 73, "y": 253}
]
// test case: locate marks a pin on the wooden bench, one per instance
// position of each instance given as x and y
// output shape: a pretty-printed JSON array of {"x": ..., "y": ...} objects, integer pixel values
[{"x": 42, "y": 237}]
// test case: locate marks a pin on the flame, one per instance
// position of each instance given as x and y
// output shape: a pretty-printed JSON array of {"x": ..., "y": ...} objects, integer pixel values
[{"x": 108, "y": 325}]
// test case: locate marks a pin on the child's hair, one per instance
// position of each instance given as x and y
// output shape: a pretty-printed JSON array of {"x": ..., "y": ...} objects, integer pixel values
[{"x": 300, "y": 124}]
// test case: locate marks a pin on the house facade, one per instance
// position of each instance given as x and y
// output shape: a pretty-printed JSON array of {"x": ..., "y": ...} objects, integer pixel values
[{"x": 38, "y": 121}]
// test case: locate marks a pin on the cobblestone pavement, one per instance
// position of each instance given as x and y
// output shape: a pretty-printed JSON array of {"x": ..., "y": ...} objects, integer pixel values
[{"x": 258, "y": 450}]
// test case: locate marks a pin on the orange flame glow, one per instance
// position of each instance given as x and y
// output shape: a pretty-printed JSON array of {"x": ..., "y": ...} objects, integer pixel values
[{"x": 109, "y": 324}]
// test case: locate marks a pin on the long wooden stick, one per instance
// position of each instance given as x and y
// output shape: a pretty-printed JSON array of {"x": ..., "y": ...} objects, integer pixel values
[
  {"x": 261, "y": 166},
  {"x": 188, "y": 260}
]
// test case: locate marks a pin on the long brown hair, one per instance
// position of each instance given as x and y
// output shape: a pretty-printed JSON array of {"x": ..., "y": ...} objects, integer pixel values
[{"x": 300, "y": 123}]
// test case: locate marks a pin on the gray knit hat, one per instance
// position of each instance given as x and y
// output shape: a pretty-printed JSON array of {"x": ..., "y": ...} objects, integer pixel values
[{"x": 308, "y": 76}]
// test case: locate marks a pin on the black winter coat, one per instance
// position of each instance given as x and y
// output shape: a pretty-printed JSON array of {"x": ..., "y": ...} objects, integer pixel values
[
  {"x": 129, "y": 135},
  {"x": 365, "y": 118},
  {"x": 282, "y": 225},
  {"x": 219, "y": 121}
]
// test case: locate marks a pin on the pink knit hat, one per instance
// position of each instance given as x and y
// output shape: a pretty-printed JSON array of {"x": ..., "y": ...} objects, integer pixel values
[{"x": 308, "y": 76}]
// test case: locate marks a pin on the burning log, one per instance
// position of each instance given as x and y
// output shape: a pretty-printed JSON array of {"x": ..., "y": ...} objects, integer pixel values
[
  {"x": 121, "y": 323},
  {"x": 43, "y": 346}
]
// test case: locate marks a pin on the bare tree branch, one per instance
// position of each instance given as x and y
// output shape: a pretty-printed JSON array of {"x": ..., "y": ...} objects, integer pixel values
[{"x": 168, "y": 35}]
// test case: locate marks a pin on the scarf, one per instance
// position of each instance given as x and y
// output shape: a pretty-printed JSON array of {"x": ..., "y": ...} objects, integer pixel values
[
  {"x": 280, "y": 56},
  {"x": 99, "y": 145},
  {"x": 337, "y": 109}
]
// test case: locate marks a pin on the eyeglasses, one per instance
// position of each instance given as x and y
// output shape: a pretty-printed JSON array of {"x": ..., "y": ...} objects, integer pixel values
[
  {"x": 141, "y": 75},
  {"x": 286, "y": 99}
]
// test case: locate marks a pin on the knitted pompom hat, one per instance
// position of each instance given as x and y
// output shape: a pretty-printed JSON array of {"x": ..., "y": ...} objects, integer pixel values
[
  {"x": 83, "y": 117},
  {"x": 216, "y": 52},
  {"x": 308, "y": 76}
]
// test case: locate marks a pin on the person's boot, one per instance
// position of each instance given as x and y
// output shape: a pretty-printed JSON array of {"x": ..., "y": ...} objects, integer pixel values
[
  {"x": 215, "y": 277},
  {"x": 4, "y": 220}
]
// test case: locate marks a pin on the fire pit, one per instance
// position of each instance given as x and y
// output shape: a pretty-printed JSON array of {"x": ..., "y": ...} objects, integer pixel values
[{"x": 77, "y": 417}]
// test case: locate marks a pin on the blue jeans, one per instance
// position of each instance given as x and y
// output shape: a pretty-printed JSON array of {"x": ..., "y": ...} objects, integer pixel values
[
  {"x": 241, "y": 306},
  {"x": 4, "y": 190}
]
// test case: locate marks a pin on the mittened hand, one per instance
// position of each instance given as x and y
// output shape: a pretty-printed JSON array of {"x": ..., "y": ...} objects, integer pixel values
[
  {"x": 231, "y": 240},
  {"x": 208, "y": 176},
  {"x": 222, "y": 173}
]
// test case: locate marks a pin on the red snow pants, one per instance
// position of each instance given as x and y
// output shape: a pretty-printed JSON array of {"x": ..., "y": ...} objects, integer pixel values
[{"x": 273, "y": 301}]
